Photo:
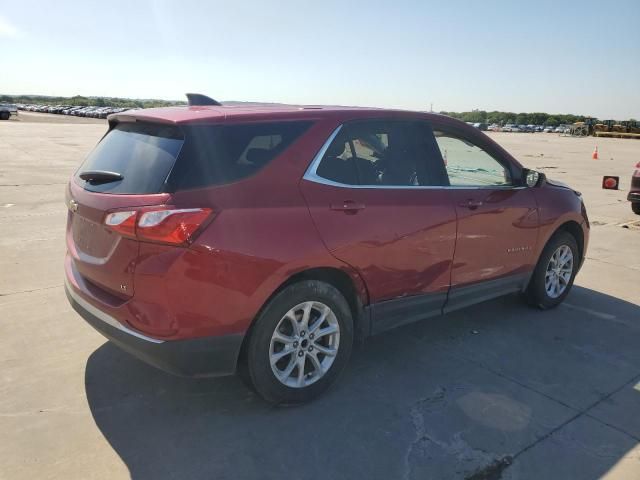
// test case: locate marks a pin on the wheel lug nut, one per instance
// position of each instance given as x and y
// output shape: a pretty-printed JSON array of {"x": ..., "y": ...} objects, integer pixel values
[
  {"x": 311, "y": 336},
  {"x": 300, "y": 353},
  {"x": 302, "y": 333},
  {"x": 295, "y": 344},
  {"x": 311, "y": 348}
]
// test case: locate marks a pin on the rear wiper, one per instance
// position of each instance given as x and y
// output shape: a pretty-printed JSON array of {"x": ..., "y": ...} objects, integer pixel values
[{"x": 100, "y": 176}]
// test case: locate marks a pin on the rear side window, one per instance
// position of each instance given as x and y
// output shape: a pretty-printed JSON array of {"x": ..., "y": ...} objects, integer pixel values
[
  {"x": 219, "y": 154},
  {"x": 383, "y": 153},
  {"x": 143, "y": 154}
]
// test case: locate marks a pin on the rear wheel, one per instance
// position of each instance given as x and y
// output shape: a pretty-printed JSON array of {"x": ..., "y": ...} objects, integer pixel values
[
  {"x": 554, "y": 274},
  {"x": 300, "y": 343},
  {"x": 4, "y": 115},
  {"x": 636, "y": 208}
]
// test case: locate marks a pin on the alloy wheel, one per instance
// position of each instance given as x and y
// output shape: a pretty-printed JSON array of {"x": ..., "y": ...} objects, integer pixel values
[
  {"x": 559, "y": 271},
  {"x": 304, "y": 344}
]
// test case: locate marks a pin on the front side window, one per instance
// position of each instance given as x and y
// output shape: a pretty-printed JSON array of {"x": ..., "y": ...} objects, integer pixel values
[
  {"x": 469, "y": 165},
  {"x": 383, "y": 153}
]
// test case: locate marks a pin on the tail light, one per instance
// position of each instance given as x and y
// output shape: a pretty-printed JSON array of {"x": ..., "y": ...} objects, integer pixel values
[
  {"x": 122, "y": 222},
  {"x": 168, "y": 225}
]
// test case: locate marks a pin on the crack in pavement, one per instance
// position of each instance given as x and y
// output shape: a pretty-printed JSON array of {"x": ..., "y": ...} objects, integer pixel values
[
  {"x": 620, "y": 265},
  {"x": 457, "y": 447},
  {"x": 30, "y": 184},
  {"x": 29, "y": 291}
]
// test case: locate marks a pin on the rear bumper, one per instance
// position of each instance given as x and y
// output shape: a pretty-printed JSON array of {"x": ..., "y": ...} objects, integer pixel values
[{"x": 198, "y": 357}]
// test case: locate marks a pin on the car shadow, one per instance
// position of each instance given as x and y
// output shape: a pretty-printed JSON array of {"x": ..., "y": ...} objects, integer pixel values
[{"x": 444, "y": 398}]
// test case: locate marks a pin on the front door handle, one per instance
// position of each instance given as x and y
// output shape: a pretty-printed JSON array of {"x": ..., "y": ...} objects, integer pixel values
[
  {"x": 348, "y": 206},
  {"x": 471, "y": 204}
]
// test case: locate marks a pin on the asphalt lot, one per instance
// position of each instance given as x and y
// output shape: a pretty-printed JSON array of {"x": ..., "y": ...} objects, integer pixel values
[{"x": 496, "y": 391}]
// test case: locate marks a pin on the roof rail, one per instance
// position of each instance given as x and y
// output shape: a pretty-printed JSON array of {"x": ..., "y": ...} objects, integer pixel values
[{"x": 197, "y": 99}]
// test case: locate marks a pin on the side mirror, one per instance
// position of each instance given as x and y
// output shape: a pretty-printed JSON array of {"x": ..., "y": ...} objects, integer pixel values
[{"x": 533, "y": 178}]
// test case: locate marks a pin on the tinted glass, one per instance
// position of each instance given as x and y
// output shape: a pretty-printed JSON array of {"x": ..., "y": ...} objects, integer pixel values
[
  {"x": 214, "y": 154},
  {"x": 469, "y": 165},
  {"x": 383, "y": 153},
  {"x": 142, "y": 153}
]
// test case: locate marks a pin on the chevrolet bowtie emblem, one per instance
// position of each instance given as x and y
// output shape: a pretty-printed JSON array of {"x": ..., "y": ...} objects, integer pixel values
[{"x": 73, "y": 205}]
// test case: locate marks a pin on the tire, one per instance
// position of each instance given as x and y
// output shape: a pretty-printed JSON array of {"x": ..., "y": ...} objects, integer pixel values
[
  {"x": 635, "y": 206},
  {"x": 537, "y": 293},
  {"x": 314, "y": 297},
  {"x": 4, "y": 115}
]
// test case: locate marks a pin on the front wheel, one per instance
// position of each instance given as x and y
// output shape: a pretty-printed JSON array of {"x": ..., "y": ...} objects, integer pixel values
[
  {"x": 554, "y": 274},
  {"x": 300, "y": 343},
  {"x": 635, "y": 206}
]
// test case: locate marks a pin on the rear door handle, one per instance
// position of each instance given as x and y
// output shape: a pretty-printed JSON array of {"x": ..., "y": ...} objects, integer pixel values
[
  {"x": 348, "y": 206},
  {"x": 471, "y": 204}
]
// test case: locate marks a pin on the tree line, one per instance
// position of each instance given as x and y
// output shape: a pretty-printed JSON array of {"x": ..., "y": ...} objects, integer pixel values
[
  {"x": 503, "y": 118},
  {"x": 81, "y": 101}
]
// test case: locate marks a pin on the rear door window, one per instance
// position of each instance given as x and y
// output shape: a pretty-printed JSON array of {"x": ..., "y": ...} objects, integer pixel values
[{"x": 143, "y": 154}]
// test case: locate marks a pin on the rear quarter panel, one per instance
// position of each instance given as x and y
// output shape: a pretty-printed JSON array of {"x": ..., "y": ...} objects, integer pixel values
[{"x": 262, "y": 235}]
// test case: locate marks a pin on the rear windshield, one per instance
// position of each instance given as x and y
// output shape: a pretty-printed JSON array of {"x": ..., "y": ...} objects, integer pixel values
[
  {"x": 143, "y": 154},
  {"x": 156, "y": 158}
]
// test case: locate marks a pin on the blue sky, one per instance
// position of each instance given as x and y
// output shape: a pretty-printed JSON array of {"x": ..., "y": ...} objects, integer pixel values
[{"x": 560, "y": 57}]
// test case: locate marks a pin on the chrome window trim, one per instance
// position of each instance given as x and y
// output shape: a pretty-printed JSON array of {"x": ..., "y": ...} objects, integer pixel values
[
  {"x": 108, "y": 319},
  {"x": 312, "y": 176}
]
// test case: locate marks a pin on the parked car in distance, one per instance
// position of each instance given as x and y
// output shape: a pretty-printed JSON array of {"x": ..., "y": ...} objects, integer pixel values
[
  {"x": 7, "y": 109},
  {"x": 548, "y": 129},
  {"x": 265, "y": 240},
  {"x": 634, "y": 191}
]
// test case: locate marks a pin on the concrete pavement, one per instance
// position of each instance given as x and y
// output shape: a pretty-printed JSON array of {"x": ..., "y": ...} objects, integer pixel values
[{"x": 495, "y": 391}]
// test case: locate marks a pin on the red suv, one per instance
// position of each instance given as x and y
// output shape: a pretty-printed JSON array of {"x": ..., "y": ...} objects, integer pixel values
[{"x": 207, "y": 240}]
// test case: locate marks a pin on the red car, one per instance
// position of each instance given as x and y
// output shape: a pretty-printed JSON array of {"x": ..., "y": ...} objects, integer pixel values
[
  {"x": 634, "y": 191},
  {"x": 212, "y": 239}
]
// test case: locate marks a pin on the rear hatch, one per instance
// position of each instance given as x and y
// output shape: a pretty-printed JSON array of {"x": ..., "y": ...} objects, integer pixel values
[{"x": 128, "y": 169}]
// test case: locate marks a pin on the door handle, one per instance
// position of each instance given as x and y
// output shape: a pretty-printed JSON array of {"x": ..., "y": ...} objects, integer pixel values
[
  {"x": 471, "y": 204},
  {"x": 348, "y": 207}
]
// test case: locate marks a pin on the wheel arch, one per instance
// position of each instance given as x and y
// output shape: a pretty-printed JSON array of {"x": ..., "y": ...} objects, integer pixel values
[
  {"x": 353, "y": 290},
  {"x": 572, "y": 227}
]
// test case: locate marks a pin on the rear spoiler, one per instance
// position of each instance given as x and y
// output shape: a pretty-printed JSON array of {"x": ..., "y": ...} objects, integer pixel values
[
  {"x": 199, "y": 100},
  {"x": 194, "y": 100}
]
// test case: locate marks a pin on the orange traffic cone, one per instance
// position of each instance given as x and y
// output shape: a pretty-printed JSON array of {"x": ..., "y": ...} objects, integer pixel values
[{"x": 595, "y": 153}]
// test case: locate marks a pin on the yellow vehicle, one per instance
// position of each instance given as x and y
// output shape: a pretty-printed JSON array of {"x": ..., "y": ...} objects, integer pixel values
[
  {"x": 603, "y": 126},
  {"x": 583, "y": 129},
  {"x": 613, "y": 128},
  {"x": 631, "y": 126}
]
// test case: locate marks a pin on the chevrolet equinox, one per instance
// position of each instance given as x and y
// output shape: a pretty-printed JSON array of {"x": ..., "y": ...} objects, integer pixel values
[{"x": 208, "y": 240}]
